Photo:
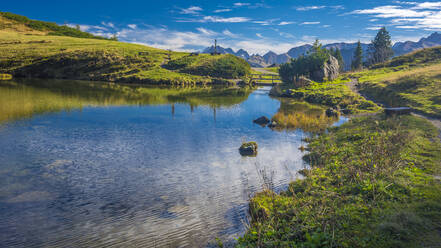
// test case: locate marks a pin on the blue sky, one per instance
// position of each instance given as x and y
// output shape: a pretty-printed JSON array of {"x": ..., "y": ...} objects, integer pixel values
[{"x": 256, "y": 26}]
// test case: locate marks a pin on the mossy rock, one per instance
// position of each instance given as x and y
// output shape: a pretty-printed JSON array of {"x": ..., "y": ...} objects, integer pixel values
[{"x": 248, "y": 149}]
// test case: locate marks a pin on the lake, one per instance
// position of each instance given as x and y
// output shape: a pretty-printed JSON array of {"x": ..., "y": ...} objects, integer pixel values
[{"x": 87, "y": 164}]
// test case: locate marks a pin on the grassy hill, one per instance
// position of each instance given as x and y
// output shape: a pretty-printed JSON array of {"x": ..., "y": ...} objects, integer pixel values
[
  {"x": 23, "y": 24},
  {"x": 371, "y": 182},
  {"x": 45, "y": 50},
  {"x": 412, "y": 80}
]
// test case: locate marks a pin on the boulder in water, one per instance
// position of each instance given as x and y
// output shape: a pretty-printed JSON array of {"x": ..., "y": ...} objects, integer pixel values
[
  {"x": 262, "y": 121},
  {"x": 248, "y": 149}
]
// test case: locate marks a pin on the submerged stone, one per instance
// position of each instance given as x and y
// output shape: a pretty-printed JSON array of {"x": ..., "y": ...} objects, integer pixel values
[
  {"x": 248, "y": 149},
  {"x": 262, "y": 120}
]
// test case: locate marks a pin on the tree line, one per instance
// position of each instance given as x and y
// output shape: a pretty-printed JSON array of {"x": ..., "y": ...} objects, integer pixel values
[{"x": 380, "y": 50}]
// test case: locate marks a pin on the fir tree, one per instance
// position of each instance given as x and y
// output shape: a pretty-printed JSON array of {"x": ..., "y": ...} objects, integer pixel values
[
  {"x": 380, "y": 49},
  {"x": 339, "y": 57},
  {"x": 357, "y": 61}
]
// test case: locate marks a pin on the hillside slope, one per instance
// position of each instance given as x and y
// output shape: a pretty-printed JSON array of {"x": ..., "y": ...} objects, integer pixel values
[
  {"x": 29, "y": 52},
  {"x": 22, "y": 24},
  {"x": 412, "y": 80}
]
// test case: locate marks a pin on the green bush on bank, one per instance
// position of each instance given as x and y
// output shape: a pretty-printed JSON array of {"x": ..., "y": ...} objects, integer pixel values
[
  {"x": 222, "y": 66},
  {"x": 371, "y": 185},
  {"x": 334, "y": 94}
]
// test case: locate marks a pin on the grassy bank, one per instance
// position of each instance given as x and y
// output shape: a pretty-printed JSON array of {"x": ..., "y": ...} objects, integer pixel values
[
  {"x": 371, "y": 184},
  {"x": 335, "y": 94},
  {"x": 28, "y": 51},
  {"x": 412, "y": 80},
  {"x": 294, "y": 114}
]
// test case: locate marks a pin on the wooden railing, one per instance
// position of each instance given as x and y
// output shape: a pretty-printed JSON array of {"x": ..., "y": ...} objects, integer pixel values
[{"x": 266, "y": 79}]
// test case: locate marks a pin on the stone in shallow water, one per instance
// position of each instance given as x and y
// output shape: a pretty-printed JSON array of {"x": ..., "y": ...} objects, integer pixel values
[
  {"x": 262, "y": 120},
  {"x": 248, "y": 149}
]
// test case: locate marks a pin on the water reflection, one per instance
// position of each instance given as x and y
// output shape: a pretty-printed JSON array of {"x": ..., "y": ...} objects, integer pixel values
[
  {"x": 143, "y": 173},
  {"x": 294, "y": 114},
  {"x": 25, "y": 98}
]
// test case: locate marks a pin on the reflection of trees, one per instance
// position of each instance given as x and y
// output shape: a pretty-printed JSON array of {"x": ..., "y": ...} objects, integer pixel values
[
  {"x": 24, "y": 98},
  {"x": 300, "y": 115}
]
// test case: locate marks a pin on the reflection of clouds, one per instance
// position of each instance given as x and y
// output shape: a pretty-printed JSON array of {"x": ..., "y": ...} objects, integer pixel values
[{"x": 135, "y": 175}]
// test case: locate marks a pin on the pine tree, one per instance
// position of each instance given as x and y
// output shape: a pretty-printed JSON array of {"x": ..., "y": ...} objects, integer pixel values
[
  {"x": 381, "y": 47},
  {"x": 357, "y": 61},
  {"x": 339, "y": 57}
]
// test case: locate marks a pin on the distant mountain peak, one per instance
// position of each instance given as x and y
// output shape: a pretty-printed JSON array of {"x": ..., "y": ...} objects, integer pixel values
[{"x": 347, "y": 50}]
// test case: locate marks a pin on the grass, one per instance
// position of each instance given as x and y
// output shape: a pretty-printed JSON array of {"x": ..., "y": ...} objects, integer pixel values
[
  {"x": 294, "y": 114},
  {"x": 412, "y": 80},
  {"x": 30, "y": 52},
  {"x": 10, "y": 21},
  {"x": 335, "y": 94},
  {"x": 5, "y": 76},
  {"x": 25, "y": 98},
  {"x": 371, "y": 184}
]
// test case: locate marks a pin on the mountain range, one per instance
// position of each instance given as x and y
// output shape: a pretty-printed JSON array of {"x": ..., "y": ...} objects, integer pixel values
[{"x": 347, "y": 51}]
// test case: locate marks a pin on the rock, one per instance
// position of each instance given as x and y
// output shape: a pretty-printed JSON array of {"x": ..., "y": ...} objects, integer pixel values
[
  {"x": 302, "y": 82},
  {"x": 262, "y": 121},
  {"x": 248, "y": 149},
  {"x": 330, "y": 71},
  {"x": 331, "y": 112},
  {"x": 276, "y": 91},
  {"x": 397, "y": 111},
  {"x": 272, "y": 124}
]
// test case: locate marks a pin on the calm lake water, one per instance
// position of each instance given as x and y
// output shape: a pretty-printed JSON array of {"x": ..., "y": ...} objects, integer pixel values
[{"x": 102, "y": 165}]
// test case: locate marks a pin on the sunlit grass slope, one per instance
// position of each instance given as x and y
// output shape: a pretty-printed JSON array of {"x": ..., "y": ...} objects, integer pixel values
[
  {"x": 412, "y": 80},
  {"x": 27, "y": 52},
  {"x": 372, "y": 183}
]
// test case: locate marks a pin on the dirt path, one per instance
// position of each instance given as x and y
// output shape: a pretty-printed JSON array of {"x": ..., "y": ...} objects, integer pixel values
[
  {"x": 264, "y": 71},
  {"x": 353, "y": 86}
]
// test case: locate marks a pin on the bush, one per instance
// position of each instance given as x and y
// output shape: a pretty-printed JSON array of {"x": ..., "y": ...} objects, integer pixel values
[
  {"x": 304, "y": 65},
  {"x": 223, "y": 66}
]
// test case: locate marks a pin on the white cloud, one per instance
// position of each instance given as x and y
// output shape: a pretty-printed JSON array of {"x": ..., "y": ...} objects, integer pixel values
[
  {"x": 259, "y": 35},
  {"x": 222, "y": 10},
  {"x": 225, "y": 19},
  {"x": 108, "y": 24},
  {"x": 374, "y": 28},
  {"x": 286, "y": 35},
  {"x": 206, "y": 31},
  {"x": 425, "y": 15},
  {"x": 306, "y": 8},
  {"x": 326, "y": 26},
  {"x": 229, "y": 34},
  {"x": 241, "y": 4},
  {"x": 390, "y": 11},
  {"x": 266, "y": 22},
  {"x": 309, "y": 23},
  {"x": 428, "y": 5},
  {"x": 217, "y": 19},
  {"x": 132, "y": 26},
  {"x": 169, "y": 39},
  {"x": 191, "y": 10},
  {"x": 285, "y": 23}
]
